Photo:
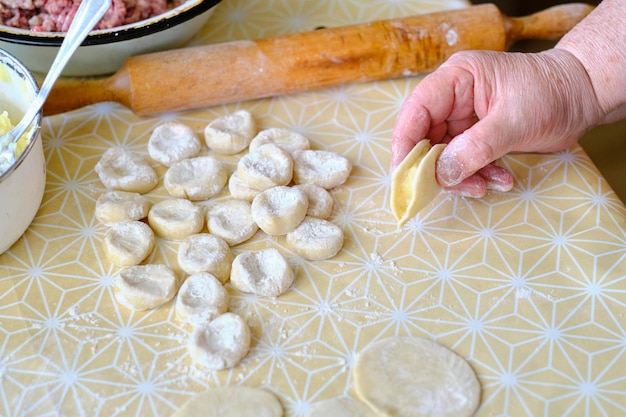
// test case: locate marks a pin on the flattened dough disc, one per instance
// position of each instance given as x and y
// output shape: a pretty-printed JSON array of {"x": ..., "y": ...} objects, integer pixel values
[
  {"x": 415, "y": 377},
  {"x": 341, "y": 407},
  {"x": 232, "y": 401},
  {"x": 413, "y": 183}
]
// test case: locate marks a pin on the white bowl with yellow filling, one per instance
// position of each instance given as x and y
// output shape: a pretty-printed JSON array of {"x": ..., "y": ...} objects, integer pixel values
[{"x": 22, "y": 183}]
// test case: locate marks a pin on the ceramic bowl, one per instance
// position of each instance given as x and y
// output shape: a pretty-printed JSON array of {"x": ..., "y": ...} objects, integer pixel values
[
  {"x": 104, "y": 51},
  {"x": 22, "y": 184}
]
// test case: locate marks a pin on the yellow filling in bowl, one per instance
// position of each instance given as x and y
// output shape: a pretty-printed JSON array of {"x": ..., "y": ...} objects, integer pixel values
[{"x": 5, "y": 126}]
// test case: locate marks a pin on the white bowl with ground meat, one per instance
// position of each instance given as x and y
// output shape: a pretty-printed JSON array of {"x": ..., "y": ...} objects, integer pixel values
[{"x": 33, "y": 30}]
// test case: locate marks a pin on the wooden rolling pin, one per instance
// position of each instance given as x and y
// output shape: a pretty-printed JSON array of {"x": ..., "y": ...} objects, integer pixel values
[{"x": 235, "y": 71}]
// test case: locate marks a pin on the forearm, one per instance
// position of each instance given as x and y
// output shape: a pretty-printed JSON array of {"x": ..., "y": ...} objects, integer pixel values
[{"x": 599, "y": 43}]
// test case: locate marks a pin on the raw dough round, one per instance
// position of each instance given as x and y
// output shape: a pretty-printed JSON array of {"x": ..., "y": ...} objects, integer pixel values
[
  {"x": 315, "y": 239},
  {"x": 128, "y": 242},
  {"x": 284, "y": 138},
  {"x": 176, "y": 218},
  {"x": 231, "y": 133},
  {"x": 205, "y": 252},
  {"x": 116, "y": 206},
  {"x": 172, "y": 142},
  {"x": 279, "y": 210},
  {"x": 340, "y": 407},
  {"x": 123, "y": 170},
  {"x": 323, "y": 168},
  {"x": 266, "y": 167},
  {"x": 320, "y": 201},
  {"x": 201, "y": 298},
  {"x": 196, "y": 178},
  {"x": 240, "y": 190},
  {"x": 264, "y": 272},
  {"x": 415, "y": 377},
  {"x": 227, "y": 402},
  {"x": 221, "y": 343},
  {"x": 143, "y": 287},
  {"x": 232, "y": 221}
]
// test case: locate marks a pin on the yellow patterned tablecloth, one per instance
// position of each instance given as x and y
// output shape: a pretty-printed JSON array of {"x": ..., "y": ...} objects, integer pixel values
[{"x": 529, "y": 286}]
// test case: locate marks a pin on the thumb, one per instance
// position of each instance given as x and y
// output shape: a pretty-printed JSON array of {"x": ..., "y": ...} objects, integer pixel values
[{"x": 470, "y": 151}]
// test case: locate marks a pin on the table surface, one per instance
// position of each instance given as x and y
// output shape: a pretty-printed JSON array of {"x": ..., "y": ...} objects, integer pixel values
[{"x": 528, "y": 286}]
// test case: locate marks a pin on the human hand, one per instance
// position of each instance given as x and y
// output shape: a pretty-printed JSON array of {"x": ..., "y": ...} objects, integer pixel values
[{"x": 485, "y": 104}]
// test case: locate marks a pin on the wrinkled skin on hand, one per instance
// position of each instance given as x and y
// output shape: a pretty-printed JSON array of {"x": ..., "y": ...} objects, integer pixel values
[{"x": 485, "y": 104}]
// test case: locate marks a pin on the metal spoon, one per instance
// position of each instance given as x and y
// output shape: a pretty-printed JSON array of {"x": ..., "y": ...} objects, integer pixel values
[{"x": 89, "y": 13}]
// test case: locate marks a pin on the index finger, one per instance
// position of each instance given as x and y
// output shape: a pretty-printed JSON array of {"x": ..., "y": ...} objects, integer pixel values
[{"x": 443, "y": 96}]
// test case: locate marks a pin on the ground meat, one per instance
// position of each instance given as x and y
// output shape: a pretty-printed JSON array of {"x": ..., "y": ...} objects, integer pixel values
[{"x": 56, "y": 15}]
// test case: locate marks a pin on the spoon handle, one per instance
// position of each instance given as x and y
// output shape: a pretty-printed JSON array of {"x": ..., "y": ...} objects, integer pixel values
[{"x": 88, "y": 14}]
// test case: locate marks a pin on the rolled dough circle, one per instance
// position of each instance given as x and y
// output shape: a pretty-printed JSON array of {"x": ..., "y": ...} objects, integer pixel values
[
  {"x": 415, "y": 377},
  {"x": 232, "y": 401}
]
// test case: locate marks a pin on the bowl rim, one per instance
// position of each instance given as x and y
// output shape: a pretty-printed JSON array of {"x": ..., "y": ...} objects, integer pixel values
[
  {"x": 36, "y": 126},
  {"x": 171, "y": 18}
]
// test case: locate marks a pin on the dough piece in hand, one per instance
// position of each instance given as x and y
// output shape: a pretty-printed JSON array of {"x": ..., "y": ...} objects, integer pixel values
[
  {"x": 240, "y": 190},
  {"x": 196, "y": 178},
  {"x": 221, "y": 343},
  {"x": 323, "y": 168},
  {"x": 205, "y": 252},
  {"x": 123, "y": 170},
  {"x": 172, "y": 142},
  {"x": 320, "y": 201},
  {"x": 116, "y": 206},
  {"x": 413, "y": 182},
  {"x": 284, "y": 138},
  {"x": 315, "y": 239},
  {"x": 264, "y": 272},
  {"x": 128, "y": 243},
  {"x": 176, "y": 218},
  {"x": 232, "y": 401},
  {"x": 279, "y": 210},
  {"x": 232, "y": 221},
  {"x": 268, "y": 166},
  {"x": 415, "y": 377},
  {"x": 341, "y": 407},
  {"x": 143, "y": 287},
  {"x": 201, "y": 298},
  {"x": 231, "y": 133}
]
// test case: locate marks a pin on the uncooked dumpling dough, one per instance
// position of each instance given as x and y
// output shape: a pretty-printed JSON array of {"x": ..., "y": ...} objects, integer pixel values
[
  {"x": 265, "y": 167},
  {"x": 232, "y": 401},
  {"x": 264, "y": 272},
  {"x": 284, "y": 138},
  {"x": 204, "y": 252},
  {"x": 196, "y": 179},
  {"x": 231, "y": 133},
  {"x": 143, "y": 287},
  {"x": 172, "y": 142},
  {"x": 278, "y": 210},
  {"x": 200, "y": 299},
  {"x": 315, "y": 239},
  {"x": 232, "y": 221},
  {"x": 320, "y": 200},
  {"x": 413, "y": 183},
  {"x": 128, "y": 243},
  {"x": 341, "y": 407},
  {"x": 123, "y": 170},
  {"x": 324, "y": 168},
  {"x": 221, "y": 343},
  {"x": 415, "y": 377},
  {"x": 116, "y": 206},
  {"x": 176, "y": 218}
]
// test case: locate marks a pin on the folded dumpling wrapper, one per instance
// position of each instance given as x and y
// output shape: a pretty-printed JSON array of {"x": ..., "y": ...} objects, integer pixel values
[{"x": 413, "y": 183}]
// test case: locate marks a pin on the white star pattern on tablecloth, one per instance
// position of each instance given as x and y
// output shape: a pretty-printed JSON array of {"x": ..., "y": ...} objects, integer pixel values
[{"x": 527, "y": 285}]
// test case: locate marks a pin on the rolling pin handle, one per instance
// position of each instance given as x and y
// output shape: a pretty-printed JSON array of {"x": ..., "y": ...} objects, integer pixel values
[{"x": 548, "y": 24}]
